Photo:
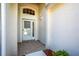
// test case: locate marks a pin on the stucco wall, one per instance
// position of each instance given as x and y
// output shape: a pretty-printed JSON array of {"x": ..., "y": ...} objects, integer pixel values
[
  {"x": 63, "y": 28},
  {"x": 42, "y": 23},
  {"x": 11, "y": 29}
]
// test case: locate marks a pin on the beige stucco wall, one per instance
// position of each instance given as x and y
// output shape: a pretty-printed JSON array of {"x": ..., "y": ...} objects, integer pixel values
[
  {"x": 42, "y": 23},
  {"x": 54, "y": 7},
  {"x": 63, "y": 28}
]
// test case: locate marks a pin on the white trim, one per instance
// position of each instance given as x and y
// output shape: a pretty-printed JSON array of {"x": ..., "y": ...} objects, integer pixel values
[{"x": 31, "y": 20}]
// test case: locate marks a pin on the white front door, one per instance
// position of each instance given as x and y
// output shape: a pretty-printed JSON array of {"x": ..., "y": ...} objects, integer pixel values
[{"x": 28, "y": 30}]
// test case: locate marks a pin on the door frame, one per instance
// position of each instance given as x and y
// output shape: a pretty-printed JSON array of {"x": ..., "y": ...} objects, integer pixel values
[
  {"x": 31, "y": 20},
  {"x": 21, "y": 16}
]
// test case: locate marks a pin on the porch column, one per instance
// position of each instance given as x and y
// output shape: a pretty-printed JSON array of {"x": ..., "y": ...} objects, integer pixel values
[{"x": 3, "y": 29}]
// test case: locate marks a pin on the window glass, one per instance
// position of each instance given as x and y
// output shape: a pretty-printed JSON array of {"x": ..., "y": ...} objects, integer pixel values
[{"x": 26, "y": 24}]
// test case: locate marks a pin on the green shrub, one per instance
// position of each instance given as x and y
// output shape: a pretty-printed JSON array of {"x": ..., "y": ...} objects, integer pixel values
[{"x": 61, "y": 53}]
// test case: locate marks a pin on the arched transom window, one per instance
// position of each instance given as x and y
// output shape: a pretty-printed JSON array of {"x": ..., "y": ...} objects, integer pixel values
[{"x": 28, "y": 11}]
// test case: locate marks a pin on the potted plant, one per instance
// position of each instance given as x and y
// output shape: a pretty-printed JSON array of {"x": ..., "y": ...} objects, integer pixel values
[{"x": 61, "y": 53}]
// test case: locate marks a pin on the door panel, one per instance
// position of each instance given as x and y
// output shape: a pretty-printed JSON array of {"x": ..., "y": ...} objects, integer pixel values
[{"x": 27, "y": 30}]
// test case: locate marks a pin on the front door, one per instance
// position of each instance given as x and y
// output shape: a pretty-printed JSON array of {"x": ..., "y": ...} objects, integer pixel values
[{"x": 28, "y": 30}]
